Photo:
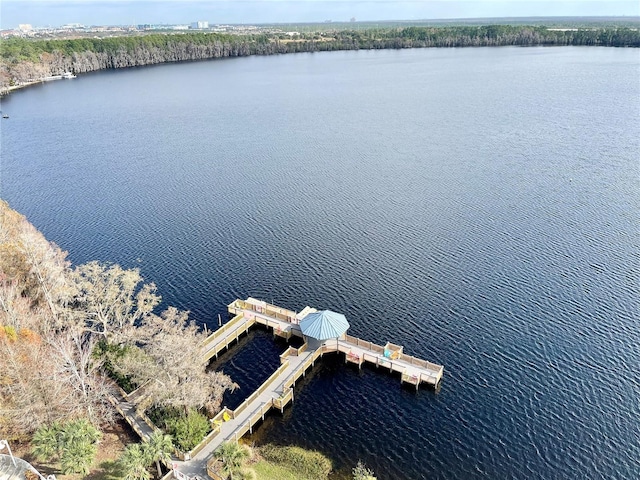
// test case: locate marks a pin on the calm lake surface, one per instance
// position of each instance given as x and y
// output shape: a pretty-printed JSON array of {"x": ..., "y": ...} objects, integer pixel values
[{"x": 478, "y": 206}]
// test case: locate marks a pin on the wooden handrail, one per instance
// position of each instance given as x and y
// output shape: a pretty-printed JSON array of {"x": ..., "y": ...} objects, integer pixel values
[
  {"x": 255, "y": 415},
  {"x": 223, "y": 329},
  {"x": 364, "y": 343},
  {"x": 260, "y": 390},
  {"x": 289, "y": 351},
  {"x": 302, "y": 367},
  {"x": 268, "y": 309}
]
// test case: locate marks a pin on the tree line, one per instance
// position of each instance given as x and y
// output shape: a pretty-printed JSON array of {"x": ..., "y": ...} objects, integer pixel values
[{"x": 23, "y": 60}]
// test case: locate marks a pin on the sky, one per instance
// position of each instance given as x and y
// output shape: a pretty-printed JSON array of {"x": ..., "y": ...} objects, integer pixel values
[{"x": 127, "y": 12}]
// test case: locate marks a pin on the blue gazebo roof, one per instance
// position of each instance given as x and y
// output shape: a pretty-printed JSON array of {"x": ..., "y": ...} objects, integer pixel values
[{"x": 324, "y": 325}]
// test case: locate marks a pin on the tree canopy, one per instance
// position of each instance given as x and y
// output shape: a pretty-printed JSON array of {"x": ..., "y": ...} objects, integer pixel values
[
  {"x": 23, "y": 60},
  {"x": 65, "y": 329}
]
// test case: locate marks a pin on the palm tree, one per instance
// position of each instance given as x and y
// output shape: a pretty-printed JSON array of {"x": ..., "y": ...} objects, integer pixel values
[
  {"x": 77, "y": 457},
  {"x": 75, "y": 444},
  {"x": 233, "y": 457},
  {"x": 45, "y": 442},
  {"x": 78, "y": 446},
  {"x": 158, "y": 447},
  {"x": 135, "y": 463}
]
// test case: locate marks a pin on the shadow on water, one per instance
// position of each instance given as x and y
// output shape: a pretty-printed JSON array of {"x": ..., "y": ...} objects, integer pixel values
[{"x": 249, "y": 362}]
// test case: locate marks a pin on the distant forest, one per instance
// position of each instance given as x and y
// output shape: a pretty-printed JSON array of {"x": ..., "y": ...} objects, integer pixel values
[{"x": 24, "y": 60}]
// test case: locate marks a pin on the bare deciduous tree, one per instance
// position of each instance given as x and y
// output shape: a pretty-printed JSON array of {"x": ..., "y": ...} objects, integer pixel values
[
  {"x": 30, "y": 395},
  {"x": 113, "y": 300},
  {"x": 32, "y": 268},
  {"x": 76, "y": 367},
  {"x": 172, "y": 368}
]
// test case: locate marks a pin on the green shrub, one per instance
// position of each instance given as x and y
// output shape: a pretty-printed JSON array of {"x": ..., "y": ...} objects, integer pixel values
[
  {"x": 187, "y": 431},
  {"x": 308, "y": 463}
]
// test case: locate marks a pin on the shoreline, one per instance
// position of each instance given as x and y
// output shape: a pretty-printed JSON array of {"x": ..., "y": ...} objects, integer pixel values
[
  {"x": 73, "y": 57},
  {"x": 22, "y": 85},
  {"x": 13, "y": 88}
]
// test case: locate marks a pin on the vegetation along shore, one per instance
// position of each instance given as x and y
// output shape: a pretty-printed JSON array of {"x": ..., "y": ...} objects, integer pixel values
[
  {"x": 72, "y": 337},
  {"x": 25, "y": 61}
]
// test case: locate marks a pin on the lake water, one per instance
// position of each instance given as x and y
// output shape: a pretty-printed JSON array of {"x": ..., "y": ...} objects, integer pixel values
[{"x": 478, "y": 206}]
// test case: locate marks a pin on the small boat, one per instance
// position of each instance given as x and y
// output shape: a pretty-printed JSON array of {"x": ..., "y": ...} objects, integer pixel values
[
  {"x": 68, "y": 75},
  {"x": 4, "y": 115}
]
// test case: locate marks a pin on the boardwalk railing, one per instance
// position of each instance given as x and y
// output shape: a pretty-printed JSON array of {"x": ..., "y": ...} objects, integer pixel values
[
  {"x": 221, "y": 338},
  {"x": 287, "y": 353},
  {"x": 205, "y": 441},
  {"x": 233, "y": 414},
  {"x": 247, "y": 426},
  {"x": 282, "y": 401},
  {"x": 364, "y": 344},
  {"x": 223, "y": 329},
  {"x": 213, "y": 469},
  {"x": 260, "y": 390},
  {"x": 302, "y": 368},
  {"x": 420, "y": 363},
  {"x": 264, "y": 308}
]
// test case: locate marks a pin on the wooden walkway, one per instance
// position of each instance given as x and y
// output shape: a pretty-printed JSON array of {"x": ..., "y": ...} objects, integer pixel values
[
  {"x": 126, "y": 407},
  {"x": 277, "y": 391}
]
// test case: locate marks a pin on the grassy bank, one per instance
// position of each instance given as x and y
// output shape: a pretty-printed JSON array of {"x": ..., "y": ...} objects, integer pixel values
[
  {"x": 270, "y": 462},
  {"x": 271, "y": 471}
]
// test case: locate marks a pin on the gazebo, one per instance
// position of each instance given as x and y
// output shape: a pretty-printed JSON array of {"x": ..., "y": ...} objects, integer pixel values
[{"x": 324, "y": 325}]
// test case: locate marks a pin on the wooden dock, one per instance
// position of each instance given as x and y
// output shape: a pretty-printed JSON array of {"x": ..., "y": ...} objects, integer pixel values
[
  {"x": 278, "y": 390},
  {"x": 286, "y": 323}
]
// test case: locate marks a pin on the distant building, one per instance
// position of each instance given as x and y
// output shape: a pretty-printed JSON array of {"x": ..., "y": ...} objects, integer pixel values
[
  {"x": 200, "y": 25},
  {"x": 25, "y": 27}
]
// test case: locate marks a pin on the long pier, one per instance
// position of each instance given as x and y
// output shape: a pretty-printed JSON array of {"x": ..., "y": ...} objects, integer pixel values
[{"x": 278, "y": 390}]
